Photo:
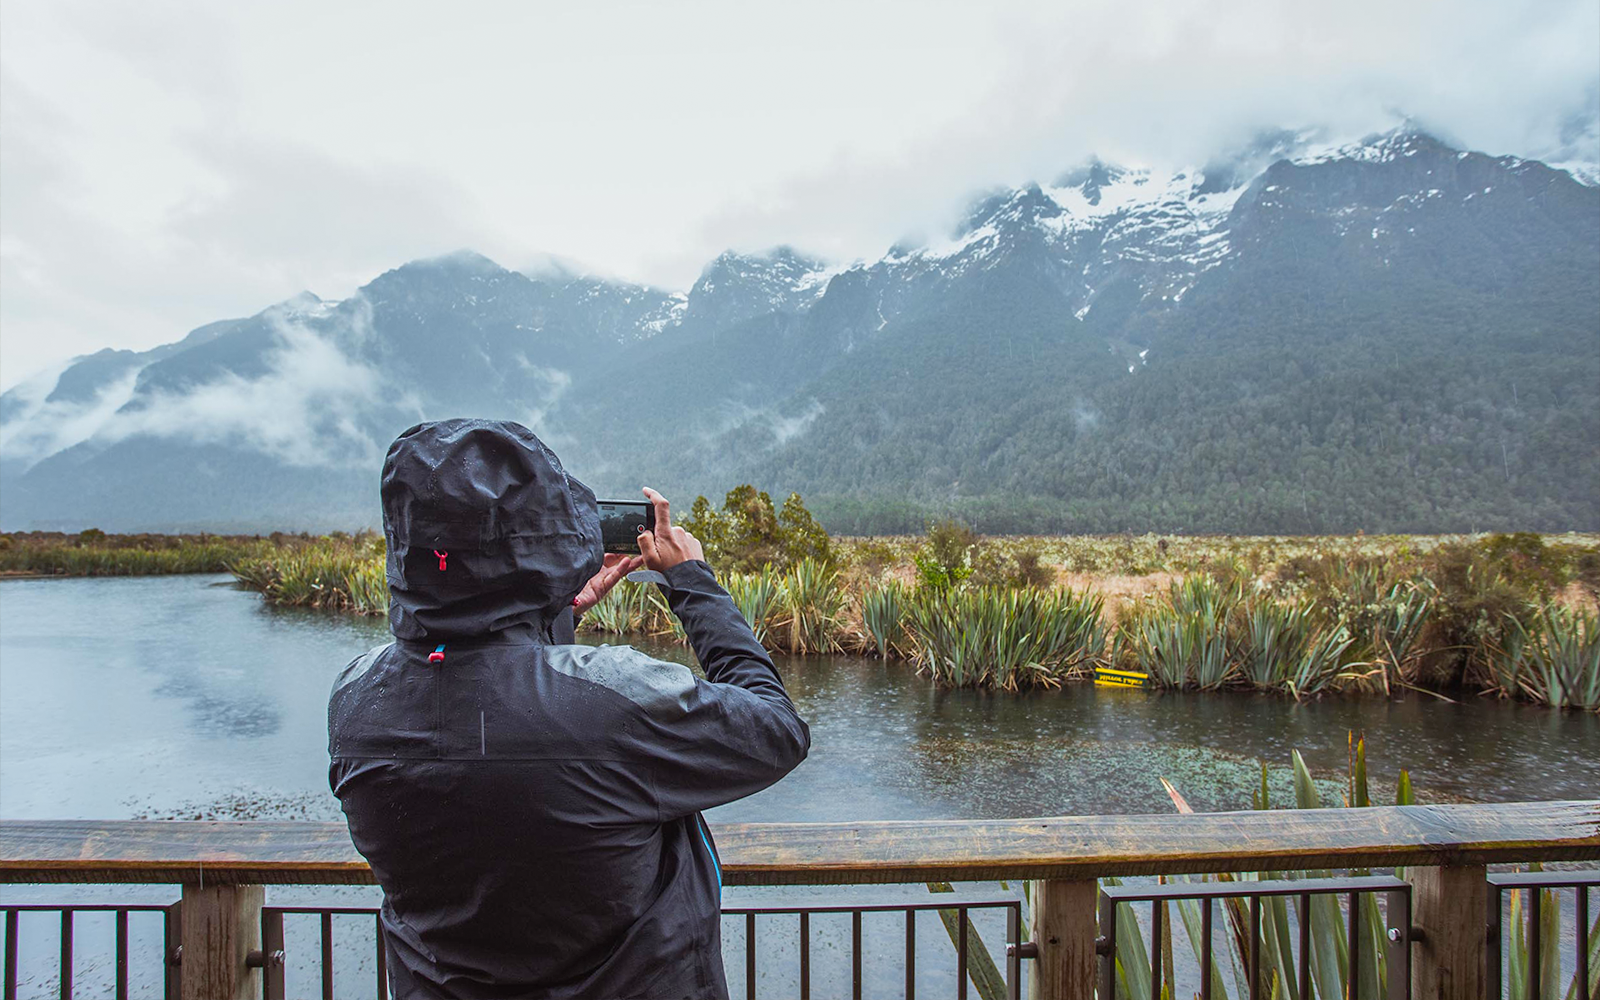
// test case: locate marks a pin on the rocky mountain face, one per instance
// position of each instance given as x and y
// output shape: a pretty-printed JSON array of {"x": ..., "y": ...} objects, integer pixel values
[{"x": 1389, "y": 335}]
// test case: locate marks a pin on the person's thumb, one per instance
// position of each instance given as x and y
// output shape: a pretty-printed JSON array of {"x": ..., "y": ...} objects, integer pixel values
[{"x": 647, "y": 547}]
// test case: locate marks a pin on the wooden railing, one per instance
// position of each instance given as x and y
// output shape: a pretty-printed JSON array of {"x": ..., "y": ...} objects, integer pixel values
[{"x": 1444, "y": 850}]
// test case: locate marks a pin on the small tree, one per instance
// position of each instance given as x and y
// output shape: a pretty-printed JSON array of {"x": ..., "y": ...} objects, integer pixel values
[
  {"x": 749, "y": 533},
  {"x": 946, "y": 557}
]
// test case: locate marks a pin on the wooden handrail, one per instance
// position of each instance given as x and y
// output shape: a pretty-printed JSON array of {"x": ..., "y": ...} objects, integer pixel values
[{"x": 1061, "y": 848}]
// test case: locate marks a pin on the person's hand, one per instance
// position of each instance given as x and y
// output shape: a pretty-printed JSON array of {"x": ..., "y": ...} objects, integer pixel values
[
  {"x": 613, "y": 568},
  {"x": 667, "y": 546}
]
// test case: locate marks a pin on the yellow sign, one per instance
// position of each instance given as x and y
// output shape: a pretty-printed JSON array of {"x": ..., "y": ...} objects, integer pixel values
[{"x": 1106, "y": 677}]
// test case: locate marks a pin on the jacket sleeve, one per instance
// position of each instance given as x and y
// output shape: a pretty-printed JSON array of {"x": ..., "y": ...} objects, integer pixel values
[{"x": 739, "y": 731}]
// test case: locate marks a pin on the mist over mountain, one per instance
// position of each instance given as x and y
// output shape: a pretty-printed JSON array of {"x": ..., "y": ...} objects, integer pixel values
[{"x": 1390, "y": 335}]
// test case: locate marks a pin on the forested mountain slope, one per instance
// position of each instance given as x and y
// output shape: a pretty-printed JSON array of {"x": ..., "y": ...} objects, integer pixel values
[{"x": 1391, "y": 335}]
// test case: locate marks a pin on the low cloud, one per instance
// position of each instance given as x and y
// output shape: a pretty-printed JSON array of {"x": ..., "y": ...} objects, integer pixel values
[
  {"x": 309, "y": 408},
  {"x": 313, "y": 406},
  {"x": 554, "y": 382},
  {"x": 36, "y": 427}
]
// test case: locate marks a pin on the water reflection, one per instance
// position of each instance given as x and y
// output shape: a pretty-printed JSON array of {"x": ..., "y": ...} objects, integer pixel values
[{"x": 181, "y": 693}]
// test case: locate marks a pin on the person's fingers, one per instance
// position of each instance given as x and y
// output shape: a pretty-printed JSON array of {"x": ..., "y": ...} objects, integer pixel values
[
  {"x": 610, "y": 559},
  {"x": 647, "y": 547},
  {"x": 663, "y": 509},
  {"x": 634, "y": 562}
]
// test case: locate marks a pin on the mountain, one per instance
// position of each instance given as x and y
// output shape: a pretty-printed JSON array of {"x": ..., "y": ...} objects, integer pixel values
[{"x": 1388, "y": 335}]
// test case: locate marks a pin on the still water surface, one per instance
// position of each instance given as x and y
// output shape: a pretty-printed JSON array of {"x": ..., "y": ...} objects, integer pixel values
[{"x": 184, "y": 697}]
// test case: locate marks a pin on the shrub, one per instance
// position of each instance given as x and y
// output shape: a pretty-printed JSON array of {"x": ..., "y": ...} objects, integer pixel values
[
  {"x": 1019, "y": 565},
  {"x": 946, "y": 555}
]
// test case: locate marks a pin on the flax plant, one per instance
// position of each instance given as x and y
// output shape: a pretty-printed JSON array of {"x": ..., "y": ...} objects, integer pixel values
[
  {"x": 883, "y": 613},
  {"x": 757, "y": 596},
  {"x": 813, "y": 606},
  {"x": 620, "y": 612},
  {"x": 1553, "y": 659},
  {"x": 1005, "y": 638},
  {"x": 1183, "y": 641}
]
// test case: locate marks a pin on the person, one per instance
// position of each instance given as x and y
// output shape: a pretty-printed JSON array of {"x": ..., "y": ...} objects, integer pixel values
[{"x": 532, "y": 807}]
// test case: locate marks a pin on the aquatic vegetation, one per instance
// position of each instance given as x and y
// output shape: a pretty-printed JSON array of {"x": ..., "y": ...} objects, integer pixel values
[
  {"x": 757, "y": 596},
  {"x": 1285, "y": 647},
  {"x": 812, "y": 603},
  {"x": 883, "y": 613},
  {"x": 1004, "y": 638},
  {"x": 1554, "y": 658},
  {"x": 335, "y": 575},
  {"x": 621, "y": 612},
  {"x": 1183, "y": 641}
]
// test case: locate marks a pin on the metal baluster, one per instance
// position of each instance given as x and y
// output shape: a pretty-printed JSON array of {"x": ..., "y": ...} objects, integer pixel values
[
  {"x": 1583, "y": 942},
  {"x": 961, "y": 953},
  {"x": 750, "y": 956},
  {"x": 1494, "y": 957},
  {"x": 1013, "y": 960},
  {"x": 1399, "y": 907},
  {"x": 1205, "y": 949},
  {"x": 911, "y": 954},
  {"x": 383, "y": 960},
  {"x": 1254, "y": 964},
  {"x": 1155, "y": 949},
  {"x": 172, "y": 938},
  {"x": 11, "y": 955},
  {"x": 327, "y": 956},
  {"x": 1305, "y": 946},
  {"x": 1535, "y": 951},
  {"x": 272, "y": 973},
  {"x": 122, "y": 955},
  {"x": 1353, "y": 939},
  {"x": 805, "y": 956},
  {"x": 855, "y": 954},
  {"x": 66, "y": 954},
  {"x": 1108, "y": 958}
]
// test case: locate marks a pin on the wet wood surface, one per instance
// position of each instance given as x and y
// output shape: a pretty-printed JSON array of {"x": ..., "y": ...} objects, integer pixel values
[{"x": 1068, "y": 848}]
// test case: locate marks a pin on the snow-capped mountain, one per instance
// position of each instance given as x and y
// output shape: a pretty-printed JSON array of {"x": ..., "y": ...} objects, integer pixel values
[{"x": 1275, "y": 301}]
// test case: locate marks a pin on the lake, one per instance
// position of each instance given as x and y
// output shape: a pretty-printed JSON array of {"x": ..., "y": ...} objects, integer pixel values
[{"x": 186, "y": 697}]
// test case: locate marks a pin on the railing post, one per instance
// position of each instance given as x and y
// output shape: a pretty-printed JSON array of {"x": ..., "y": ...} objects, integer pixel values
[
  {"x": 1063, "y": 925},
  {"x": 221, "y": 926},
  {"x": 1450, "y": 910}
]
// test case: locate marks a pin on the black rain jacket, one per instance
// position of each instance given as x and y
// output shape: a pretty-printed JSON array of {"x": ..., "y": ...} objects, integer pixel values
[{"x": 531, "y": 807}]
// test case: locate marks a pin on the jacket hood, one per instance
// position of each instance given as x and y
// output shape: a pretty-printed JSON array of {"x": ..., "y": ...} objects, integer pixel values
[{"x": 485, "y": 530}]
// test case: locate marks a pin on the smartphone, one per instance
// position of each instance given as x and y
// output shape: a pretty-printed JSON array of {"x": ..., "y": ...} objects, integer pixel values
[{"x": 620, "y": 521}]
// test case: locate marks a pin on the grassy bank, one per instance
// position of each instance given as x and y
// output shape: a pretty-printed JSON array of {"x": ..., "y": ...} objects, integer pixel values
[
  {"x": 1512, "y": 616},
  {"x": 95, "y": 553},
  {"x": 1508, "y": 615}
]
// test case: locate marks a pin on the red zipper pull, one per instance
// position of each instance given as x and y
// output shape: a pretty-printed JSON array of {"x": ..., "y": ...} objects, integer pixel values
[{"x": 441, "y": 556}]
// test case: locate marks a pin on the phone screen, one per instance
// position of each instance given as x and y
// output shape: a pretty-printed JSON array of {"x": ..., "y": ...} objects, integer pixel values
[{"x": 620, "y": 521}]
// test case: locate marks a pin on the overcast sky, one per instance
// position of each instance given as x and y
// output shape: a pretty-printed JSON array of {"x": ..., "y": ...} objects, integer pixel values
[{"x": 166, "y": 164}]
